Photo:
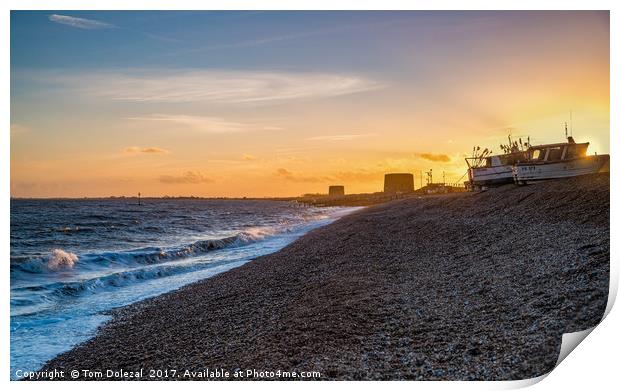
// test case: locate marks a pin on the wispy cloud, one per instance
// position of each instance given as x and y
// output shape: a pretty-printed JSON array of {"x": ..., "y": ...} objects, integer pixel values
[
  {"x": 81, "y": 23},
  {"x": 197, "y": 123},
  {"x": 147, "y": 150},
  {"x": 189, "y": 177},
  {"x": 91, "y": 24},
  {"x": 210, "y": 86},
  {"x": 339, "y": 137},
  {"x": 434, "y": 157},
  {"x": 298, "y": 35},
  {"x": 289, "y": 176},
  {"x": 248, "y": 157},
  {"x": 283, "y": 172},
  {"x": 261, "y": 41}
]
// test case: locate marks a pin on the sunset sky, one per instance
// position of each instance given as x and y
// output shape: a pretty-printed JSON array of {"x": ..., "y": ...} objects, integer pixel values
[{"x": 285, "y": 103}]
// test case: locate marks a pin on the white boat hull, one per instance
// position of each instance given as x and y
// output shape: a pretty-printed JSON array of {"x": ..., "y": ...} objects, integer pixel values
[
  {"x": 525, "y": 172},
  {"x": 490, "y": 176}
]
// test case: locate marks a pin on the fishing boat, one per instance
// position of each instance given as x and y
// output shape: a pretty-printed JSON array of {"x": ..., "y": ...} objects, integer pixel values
[
  {"x": 560, "y": 160},
  {"x": 485, "y": 169}
]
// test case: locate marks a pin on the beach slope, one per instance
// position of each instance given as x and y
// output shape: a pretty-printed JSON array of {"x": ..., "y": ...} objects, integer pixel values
[{"x": 460, "y": 286}]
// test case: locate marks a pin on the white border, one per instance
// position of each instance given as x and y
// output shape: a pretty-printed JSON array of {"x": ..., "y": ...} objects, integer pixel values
[{"x": 591, "y": 365}]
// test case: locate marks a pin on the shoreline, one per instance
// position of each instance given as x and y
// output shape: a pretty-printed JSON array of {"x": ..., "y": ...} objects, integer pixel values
[
  {"x": 82, "y": 321},
  {"x": 456, "y": 287}
]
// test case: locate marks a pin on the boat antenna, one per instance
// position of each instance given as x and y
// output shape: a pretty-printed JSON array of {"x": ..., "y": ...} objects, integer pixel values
[{"x": 565, "y": 130}]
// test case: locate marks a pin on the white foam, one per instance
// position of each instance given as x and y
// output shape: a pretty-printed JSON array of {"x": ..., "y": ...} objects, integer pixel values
[
  {"x": 258, "y": 233},
  {"x": 61, "y": 259}
]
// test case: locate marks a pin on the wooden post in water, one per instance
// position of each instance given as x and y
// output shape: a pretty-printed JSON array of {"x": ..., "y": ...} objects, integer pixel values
[{"x": 139, "y": 198}]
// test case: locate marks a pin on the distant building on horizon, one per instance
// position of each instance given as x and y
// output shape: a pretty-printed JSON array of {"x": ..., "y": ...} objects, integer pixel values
[
  {"x": 398, "y": 183},
  {"x": 336, "y": 191},
  {"x": 441, "y": 188}
]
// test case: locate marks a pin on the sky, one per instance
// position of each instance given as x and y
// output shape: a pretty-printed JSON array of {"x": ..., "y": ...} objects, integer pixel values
[{"x": 259, "y": 104}]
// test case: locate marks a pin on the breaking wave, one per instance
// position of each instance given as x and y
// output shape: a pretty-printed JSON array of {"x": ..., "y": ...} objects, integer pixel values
[
  {"x": 117, "y": 269},
  {"x": 63, "y": 260},
  {"x": 115, "y": 279}
]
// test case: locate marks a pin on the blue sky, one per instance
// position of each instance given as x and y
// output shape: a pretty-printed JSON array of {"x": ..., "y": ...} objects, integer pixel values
[
  {"x": 197, "y": 39},
  {"x": 298, "y": 40}
]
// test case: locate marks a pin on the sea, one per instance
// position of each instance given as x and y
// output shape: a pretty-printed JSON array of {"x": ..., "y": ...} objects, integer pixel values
[{"x": 73, "y": 260}]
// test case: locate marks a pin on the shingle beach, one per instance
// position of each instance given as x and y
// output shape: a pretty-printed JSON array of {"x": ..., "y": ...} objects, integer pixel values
[{"x": 453, "y": 287}]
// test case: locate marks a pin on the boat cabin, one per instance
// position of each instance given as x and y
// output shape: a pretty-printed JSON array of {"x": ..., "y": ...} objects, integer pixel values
[{"x": 556, "y": 152}]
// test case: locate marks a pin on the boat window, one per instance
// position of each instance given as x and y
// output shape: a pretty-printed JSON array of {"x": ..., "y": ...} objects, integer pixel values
[
  {"x": 510, "y": 159},
  {"x": 536, "y": 154},
  {"x": 576, "y": 151},
  {"x": 555, "y": 153}
]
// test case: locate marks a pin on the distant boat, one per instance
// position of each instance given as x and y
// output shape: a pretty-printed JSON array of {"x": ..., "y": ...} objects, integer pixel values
[
  {"x": 560, "y": 160},
  {"x": 484, "y": 169}
]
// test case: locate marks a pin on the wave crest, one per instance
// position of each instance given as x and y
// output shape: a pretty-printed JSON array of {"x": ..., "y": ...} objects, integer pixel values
[{"x": 61, "y": 259}]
